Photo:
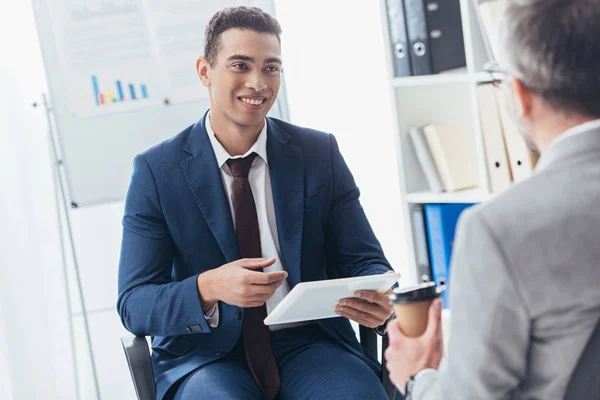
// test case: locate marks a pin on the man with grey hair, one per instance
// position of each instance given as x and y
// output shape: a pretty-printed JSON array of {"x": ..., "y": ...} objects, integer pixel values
[{"x": 526, "y": 265}]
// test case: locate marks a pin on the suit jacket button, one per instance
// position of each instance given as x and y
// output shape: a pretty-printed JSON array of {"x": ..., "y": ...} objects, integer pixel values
[
  {"x": 238, "y": 314},
  {"x": 193, "y": 328}
]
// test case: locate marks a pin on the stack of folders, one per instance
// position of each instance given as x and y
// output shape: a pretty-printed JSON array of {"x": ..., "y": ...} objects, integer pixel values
[
  {"x": 507, "y": 155},
  {"x": 447, "y": 156},
  {"x": 434, "y": 227},
  {"x": 426, "y": 36}
]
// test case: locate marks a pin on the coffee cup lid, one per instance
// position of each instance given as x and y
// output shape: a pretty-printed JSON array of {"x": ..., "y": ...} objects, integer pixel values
[{"x": 423, "y": 292}]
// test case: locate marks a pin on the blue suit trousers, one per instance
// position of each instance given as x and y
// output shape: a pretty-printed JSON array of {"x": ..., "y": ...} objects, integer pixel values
[{"x": 311, "y": 366}]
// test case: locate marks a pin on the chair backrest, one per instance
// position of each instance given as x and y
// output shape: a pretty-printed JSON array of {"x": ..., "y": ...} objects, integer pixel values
[
  {"x": 585, "y": 379},
  {"x": 140, "y": 365}
]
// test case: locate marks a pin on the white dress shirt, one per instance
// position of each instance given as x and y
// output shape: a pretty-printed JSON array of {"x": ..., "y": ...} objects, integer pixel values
[{"x": 260, "y": 183}]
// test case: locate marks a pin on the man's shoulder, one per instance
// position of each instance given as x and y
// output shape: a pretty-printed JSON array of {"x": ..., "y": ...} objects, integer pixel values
[
  {"x": 504, "y": 207},
  {"x": 528, "y": 204},
  {"x": 299, "y": 133}
]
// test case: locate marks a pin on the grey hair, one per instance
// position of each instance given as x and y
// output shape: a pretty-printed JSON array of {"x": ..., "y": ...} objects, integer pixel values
[{"x": 553, "y": 48}]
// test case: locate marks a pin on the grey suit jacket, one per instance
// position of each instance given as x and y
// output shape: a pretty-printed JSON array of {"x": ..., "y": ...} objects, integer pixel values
[{"x": 525, "y": 282}]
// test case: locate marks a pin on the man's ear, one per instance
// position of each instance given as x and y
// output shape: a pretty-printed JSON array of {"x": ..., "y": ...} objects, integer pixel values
[
  {"x": 524, "y": 97},
  {"x": 203, "y": 69}
]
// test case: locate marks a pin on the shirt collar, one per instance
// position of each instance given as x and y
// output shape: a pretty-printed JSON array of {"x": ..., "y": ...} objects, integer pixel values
[{"x": 259, "y": 147}]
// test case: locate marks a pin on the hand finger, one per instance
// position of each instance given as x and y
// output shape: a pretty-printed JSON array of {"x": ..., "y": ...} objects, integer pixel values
[
  {"x": 373, "y": 297},
  {"x": 358, "y": 316},
  {"x": 393, "y": 330},
  {"x": 361, "y": 321},
  {"x": 263, "y": 290},
  {"x": 248, "y": 302},
  {"x": 435, "y": 317},
  {"x": 370, "y": 308},
  {"x": 254, "y": 300},
  {"x": 255, "y": 263},
  {"x": 266, "y": 278},
  {"x": 389, "y": 354}
]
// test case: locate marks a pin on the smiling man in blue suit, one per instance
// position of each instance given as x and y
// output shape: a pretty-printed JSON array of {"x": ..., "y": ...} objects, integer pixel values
[{"x": 222, "y": 220}]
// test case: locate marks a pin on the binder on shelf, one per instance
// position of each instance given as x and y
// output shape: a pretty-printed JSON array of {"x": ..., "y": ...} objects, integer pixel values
[
  {"x": 454, "y": 154},
  {"x": 446, "y": 41},
  {"x": 496, "y": 156},
  {"x": 419, "y": 232},
  {"x": 441, "y": 220},
  {"x": 398, "y": 38},
  {"x": 418, "y": 37},
  {"x": 423, "y": 154},
  {"x": 522, "y": 159},
  {"x": 490, "y": 15}
]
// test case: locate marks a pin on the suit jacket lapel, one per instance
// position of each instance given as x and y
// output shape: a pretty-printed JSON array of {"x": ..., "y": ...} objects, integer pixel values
[
  {"x": 204, "y": 178},
  {"x": 286, "y": 168}
]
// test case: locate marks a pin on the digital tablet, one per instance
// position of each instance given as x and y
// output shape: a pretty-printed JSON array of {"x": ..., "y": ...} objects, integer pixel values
[{"x": 309, "y": 301}]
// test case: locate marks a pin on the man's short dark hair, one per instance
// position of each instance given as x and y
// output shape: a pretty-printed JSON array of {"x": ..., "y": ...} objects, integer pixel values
[
  {"x": 552, "y": 46},
  {"x": 251, "y": 18}
]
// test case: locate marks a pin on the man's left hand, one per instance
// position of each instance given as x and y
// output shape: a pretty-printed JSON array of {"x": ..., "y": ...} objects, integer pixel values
[
  {"x": 406, "y": 356},
  {"x": 368, "y": 308}
]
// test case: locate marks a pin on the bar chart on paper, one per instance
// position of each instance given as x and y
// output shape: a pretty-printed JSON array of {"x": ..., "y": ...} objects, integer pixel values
[
  {"x": 107, "y": 62},
  {"x": 120, "y": 92},
  {"x": 111, "y": 89}
]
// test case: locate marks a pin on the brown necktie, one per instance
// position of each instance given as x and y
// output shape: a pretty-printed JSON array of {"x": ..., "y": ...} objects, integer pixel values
[{"x": 256, "y": 335}]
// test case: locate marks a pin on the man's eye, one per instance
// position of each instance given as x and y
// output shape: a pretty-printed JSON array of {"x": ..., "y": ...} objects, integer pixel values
[
  {"x": 272, "y": 68},
  {"x": 240, "y": 66}
]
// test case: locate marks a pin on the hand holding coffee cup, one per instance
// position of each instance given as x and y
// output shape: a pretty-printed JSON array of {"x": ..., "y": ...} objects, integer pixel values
[
  {"x": 415, "y": 337},
  {"x": 411, "y": 306}
]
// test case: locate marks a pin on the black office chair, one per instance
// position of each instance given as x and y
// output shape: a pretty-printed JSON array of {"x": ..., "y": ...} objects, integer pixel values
[
  {"x": 137, "y": 354},
  {"x": 584, "y": 383},
  {"x": 140, "y": 366}
]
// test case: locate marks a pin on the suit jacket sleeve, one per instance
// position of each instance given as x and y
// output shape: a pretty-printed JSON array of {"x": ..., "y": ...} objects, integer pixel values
[
  {"x": 490, "y": 324},
  {"x": 351, "y": 243},
  {"x": 149, "y": 302}
]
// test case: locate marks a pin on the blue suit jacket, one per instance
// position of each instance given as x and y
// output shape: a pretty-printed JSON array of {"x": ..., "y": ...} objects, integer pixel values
[{"x": 178, "y": 224}]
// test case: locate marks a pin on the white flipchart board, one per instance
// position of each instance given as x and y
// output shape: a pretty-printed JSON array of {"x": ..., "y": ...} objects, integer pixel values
[{"x": 122, "y": 77}]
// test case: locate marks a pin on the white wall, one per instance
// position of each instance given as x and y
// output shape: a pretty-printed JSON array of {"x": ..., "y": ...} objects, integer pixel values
[
  {"x": 31, "y": 300},
  {"x": 334, "y": 65},
  {"x": 35, "y": 346},
  {"x": 6, "y": 390}
]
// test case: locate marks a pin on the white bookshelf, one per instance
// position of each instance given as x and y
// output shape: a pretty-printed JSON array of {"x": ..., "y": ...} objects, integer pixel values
[
  {"x": 463, "y": 196},
  {"x": 430, "y": 80},
  {"x": 435, "y": 99}
]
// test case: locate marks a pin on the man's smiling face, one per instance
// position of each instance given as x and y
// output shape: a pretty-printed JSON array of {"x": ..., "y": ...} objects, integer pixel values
[{"x": 245, "y": 77}]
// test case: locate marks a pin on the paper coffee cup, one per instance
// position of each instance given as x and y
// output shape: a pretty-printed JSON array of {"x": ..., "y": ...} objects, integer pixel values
[{"x": 411, "y": 306}]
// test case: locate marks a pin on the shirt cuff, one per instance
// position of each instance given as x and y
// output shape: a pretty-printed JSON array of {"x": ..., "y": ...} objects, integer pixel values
[
  {"x": 424, "y": 372},
  {"x": 425, "y": 382},
  {"x": 212, "y": 316}
]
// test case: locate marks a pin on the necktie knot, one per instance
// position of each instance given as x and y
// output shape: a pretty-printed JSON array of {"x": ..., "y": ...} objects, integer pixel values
[{"x": 240, "y": 167}]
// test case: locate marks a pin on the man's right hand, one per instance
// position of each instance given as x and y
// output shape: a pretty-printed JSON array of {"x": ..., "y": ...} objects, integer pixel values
[{"x": 238, "y": 284}]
